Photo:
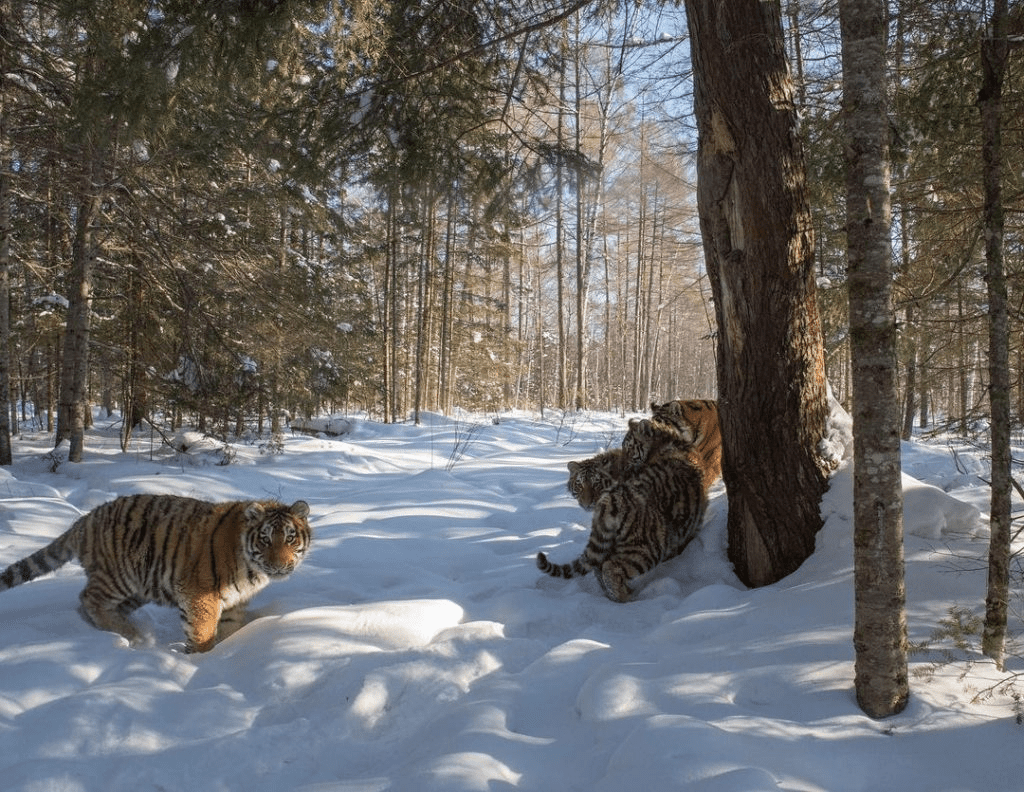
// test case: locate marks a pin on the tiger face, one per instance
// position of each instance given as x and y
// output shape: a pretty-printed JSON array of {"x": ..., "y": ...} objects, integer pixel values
[
  {"x": 277, "y": 538},
  {"x": 591, "y": 477}
]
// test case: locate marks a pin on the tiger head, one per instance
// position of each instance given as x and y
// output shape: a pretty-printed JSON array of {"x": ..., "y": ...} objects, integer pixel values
[
  {"x": 700, "y": 418},
  {"x": 646, "y": 437},
  {"x": 277, "y": 537},
  {"x": 591, "y": 477}
]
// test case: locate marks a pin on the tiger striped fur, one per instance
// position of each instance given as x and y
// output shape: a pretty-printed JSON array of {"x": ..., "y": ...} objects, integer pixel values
[
  {"x": 638, "y": 522},
  {"x": 207, "y": 559},
  {"x": 690, "y": 423},
  {"x": 589, "y": 478},
  {"x": 646, "y": 437}
]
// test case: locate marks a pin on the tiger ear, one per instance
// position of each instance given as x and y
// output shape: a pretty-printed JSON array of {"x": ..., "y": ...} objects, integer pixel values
[
  {"x": 254, "y": 511},
  {"x": 300, "y": 508},
  {"x": 573, "y": 466}
]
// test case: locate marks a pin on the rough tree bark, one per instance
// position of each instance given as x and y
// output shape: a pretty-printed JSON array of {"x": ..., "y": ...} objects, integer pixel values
[
  {"x": 74, "y": 374},
  {"x": 880, "y": 628},
  {"x": 5, "y": 254},
  {"x": 759, "y": 249},
  {"x": 995, "y": 50}
]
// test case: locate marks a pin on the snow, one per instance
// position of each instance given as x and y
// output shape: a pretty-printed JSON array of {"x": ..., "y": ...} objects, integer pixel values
[
  {"x": 418, "y": 648},
  {"x": 365, "y": 100},
  {"x": 56, "y": 300}
]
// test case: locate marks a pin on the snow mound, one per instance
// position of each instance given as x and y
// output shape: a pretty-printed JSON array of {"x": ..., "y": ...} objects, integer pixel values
[{"x": 930, "y": 513}]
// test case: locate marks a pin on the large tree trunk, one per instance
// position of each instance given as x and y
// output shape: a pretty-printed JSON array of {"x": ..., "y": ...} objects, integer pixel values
[
  {"x": 995, "y": 50},
  {"x": 880, "y": 629},
  {"x": 759, "y": 249}
]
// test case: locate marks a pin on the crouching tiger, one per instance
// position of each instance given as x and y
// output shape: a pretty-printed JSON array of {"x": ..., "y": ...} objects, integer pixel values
[
  {"x": 648, "y": 497},
  {"x": 207, "y": 559},
  {"x": 640, "y": 521},
  {"x": 690, "y": 425}
]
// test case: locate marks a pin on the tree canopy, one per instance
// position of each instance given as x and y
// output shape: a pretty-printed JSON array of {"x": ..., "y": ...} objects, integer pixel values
[{"x": 398, "y": 206}]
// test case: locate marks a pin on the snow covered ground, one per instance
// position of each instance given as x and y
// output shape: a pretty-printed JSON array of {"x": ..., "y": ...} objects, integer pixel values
[{"x": 419, "y": 648}]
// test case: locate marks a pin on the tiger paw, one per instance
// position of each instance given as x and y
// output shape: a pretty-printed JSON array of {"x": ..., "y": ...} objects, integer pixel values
[{"x": 613, "y": 584}]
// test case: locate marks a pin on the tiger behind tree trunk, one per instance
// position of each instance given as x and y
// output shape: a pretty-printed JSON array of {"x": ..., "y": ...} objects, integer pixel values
[
  {"x": 639, "y": 521},
  {"x": 646, "y": 437},
  {"x": 208, "y": 559},
  {"x": 690, "y": 423}
]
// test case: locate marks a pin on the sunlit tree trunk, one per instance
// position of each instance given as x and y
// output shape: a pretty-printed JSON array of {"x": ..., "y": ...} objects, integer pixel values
[
  {"x": 758, "y": 244},
  {"x": 134, "y": 392},
  {"x": 639, "y": 293},
  {"x": 444, "y": 369},
  {"x": 910, "y": 389},
  {"x": 73, "y": 399},
  {"x": 560, "y": 232},
  {"x": 389, "y": 304},
  {"x": 5, "y": 265},
  {"x": 582, "y": 270},
  {"x": 880, "y": 629},
  {"x": 652, "y": 312},
  {"x": 425, "y": 300}
]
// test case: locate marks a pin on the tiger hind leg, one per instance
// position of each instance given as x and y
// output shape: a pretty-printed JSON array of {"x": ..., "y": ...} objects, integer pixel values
[
  {"x": 630, "y": 561},
  {"x": 107, "y": 613},
  {"x": 614, "y": 578}
]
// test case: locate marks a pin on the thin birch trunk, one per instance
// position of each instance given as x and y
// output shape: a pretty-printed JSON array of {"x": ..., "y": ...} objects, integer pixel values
[
  {"x": 880, "y": 629},
  {"x": 5, "y": 284}
]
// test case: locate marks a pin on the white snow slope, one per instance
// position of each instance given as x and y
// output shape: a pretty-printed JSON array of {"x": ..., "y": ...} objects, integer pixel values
[{"x": 420, "y": 649}]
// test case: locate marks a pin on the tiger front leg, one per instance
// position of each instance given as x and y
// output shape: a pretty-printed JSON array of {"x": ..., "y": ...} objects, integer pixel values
[{"x": 200, "y": 616}]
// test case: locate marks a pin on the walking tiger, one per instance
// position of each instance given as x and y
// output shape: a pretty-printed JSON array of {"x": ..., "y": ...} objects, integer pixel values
[{"x": 207, "y": 559}]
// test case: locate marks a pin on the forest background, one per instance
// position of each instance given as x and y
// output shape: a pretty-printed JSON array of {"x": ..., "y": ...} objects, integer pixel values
[{"x": 261, "y": 209}]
